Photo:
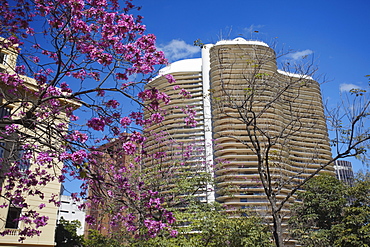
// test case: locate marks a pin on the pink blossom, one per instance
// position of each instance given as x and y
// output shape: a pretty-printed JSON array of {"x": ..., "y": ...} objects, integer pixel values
[
  {"x": 98, "y": 40},
  {"x": 79, "y": 156},
  {"x": 112, "y": 103},
  {"x": 80, "y": 74},
  {"x": 64, "y": 156},
  {"x": 43, "y": 158},
  {"x": 96, "y": 124},
  {"x": 156, "y": 118},
  {"x": 121, "y": 76},
  {"x": 174, "y": 233},
  {"x": 125, "y": 121},
  {"x": 101, "y": 93},
  {"x": 40, "y": 221},
  {"x": 65, "y": 87},
  {"x": 10, "y": 129},
  {"x": 170, "y": 78},
  {"x": 185, "y": 93},
  {"x": 129, "y": 147},
  {"x": 137, "y": 137},
  {"x": 77, "y": 136},
  {"x": 90, "y": 219}
]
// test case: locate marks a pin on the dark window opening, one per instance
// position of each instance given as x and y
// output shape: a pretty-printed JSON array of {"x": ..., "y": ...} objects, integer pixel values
[
  {"x": 4, "y": 111},
  {"x": 12, "y": 218},
  {"x": 2, "y": 150},
  {"x": 3, "y": 58}
]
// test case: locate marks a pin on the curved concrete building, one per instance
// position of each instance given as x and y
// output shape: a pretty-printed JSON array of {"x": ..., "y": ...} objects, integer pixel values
[
  {"x": 178, "y": 143},
  {"x": 262, "y": 118},
  {"x": 255, "y": 116}
]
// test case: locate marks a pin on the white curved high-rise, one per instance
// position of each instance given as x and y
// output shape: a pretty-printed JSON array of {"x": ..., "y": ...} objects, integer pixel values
[{"x": 260, "y": 121}]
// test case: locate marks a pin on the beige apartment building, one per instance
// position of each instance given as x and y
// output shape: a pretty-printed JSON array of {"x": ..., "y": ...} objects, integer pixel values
[
  {"x": 10, "y": 151},
  {"x": 250, "y": 115}
]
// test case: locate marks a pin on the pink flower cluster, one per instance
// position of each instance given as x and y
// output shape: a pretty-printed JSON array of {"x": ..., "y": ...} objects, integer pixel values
[
  {"x": 170, "y": 78},
  {"x": 129, "y": 148},
  {"x": 96, "y": 48},
  {"x": 79, "y": 156},
  {"x": 125, "y": 121},
  {"x": 191, "y": 114},
  {"x": 77, "y": 136},
  {"x": 153, "y": 96},
  {"x": 96, "y": 124},
  {"x": 112, "y": 103}
]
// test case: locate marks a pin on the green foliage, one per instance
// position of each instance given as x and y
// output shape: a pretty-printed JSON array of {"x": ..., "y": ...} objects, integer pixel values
[
  {"x": 354, "y": 230},
  {"x": 208, "y": 225},
  {"x": 96, "y": 239},
  {"x": 261, "y": 75},
  {"x": 332, "y": 214},
  {"x": 66, "y": 234},
  {"x": 183, "y": 185},
  {"x": 323, "y": 201}
]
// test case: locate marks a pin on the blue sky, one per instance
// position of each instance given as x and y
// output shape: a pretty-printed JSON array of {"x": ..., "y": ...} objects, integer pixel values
[{"x": 336, "y": 33}]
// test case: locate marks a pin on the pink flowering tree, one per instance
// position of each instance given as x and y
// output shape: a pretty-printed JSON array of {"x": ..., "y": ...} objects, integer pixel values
[{"x": 70, "y": 74}]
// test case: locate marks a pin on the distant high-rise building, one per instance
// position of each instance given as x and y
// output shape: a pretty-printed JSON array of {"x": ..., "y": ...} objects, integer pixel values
[
  {"x": 344, "y": 172},
  {"x": 110, "y": 159},
  {"x": 241, "y": 103},
  {"x": 69, "y": 210}
]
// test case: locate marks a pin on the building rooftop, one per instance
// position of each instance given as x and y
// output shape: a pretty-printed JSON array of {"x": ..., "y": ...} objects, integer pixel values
[
  {"x": 240, "y": 41},
  {"x": 186, "y": 65},
  {"x": 294, "y": 74}
]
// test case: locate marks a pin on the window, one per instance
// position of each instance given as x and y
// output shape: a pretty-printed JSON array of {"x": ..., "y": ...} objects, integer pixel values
[
  {"x": 3, "y": 58},
  {"x": 10, "y": 154},
  {"x": 4, "y": 111},
  {"x": 2, "y": 150},
  {"x": 12, "y": 218},
  {"x": 244, "y": 214},
  {"x": 23, "y": 163}
]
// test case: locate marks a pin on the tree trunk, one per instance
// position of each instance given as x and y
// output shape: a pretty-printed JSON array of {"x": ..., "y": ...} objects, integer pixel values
[{"x": 277, "y": 229}]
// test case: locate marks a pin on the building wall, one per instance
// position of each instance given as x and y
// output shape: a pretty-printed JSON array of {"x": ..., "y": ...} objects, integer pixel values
[
  {"x": 46, "y": 237},
  {"x": 243, "y": 80},
  {"x": 344, "y": 172},
  {"x": 183, "y": 145},
  {"x": 69, "y": 210},
  {"x": 251, "y": 98},
  {"x": 111, "y": 161}
]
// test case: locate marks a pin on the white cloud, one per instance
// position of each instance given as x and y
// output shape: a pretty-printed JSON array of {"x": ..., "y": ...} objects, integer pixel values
[
  {"x": 299, "y": 54},
  {"x": 252, "y": 28},
  {"x": 178, "y": 49},
  {"x": 346, "y": 87}
]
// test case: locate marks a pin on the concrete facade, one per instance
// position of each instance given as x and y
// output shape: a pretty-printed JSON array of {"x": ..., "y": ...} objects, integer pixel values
[
  {"x": 10, "y": 104},
  {"x": 69, "y": 210},
  {"x": 344, "y": 172},
  {"x": 234, "y": 80}
]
